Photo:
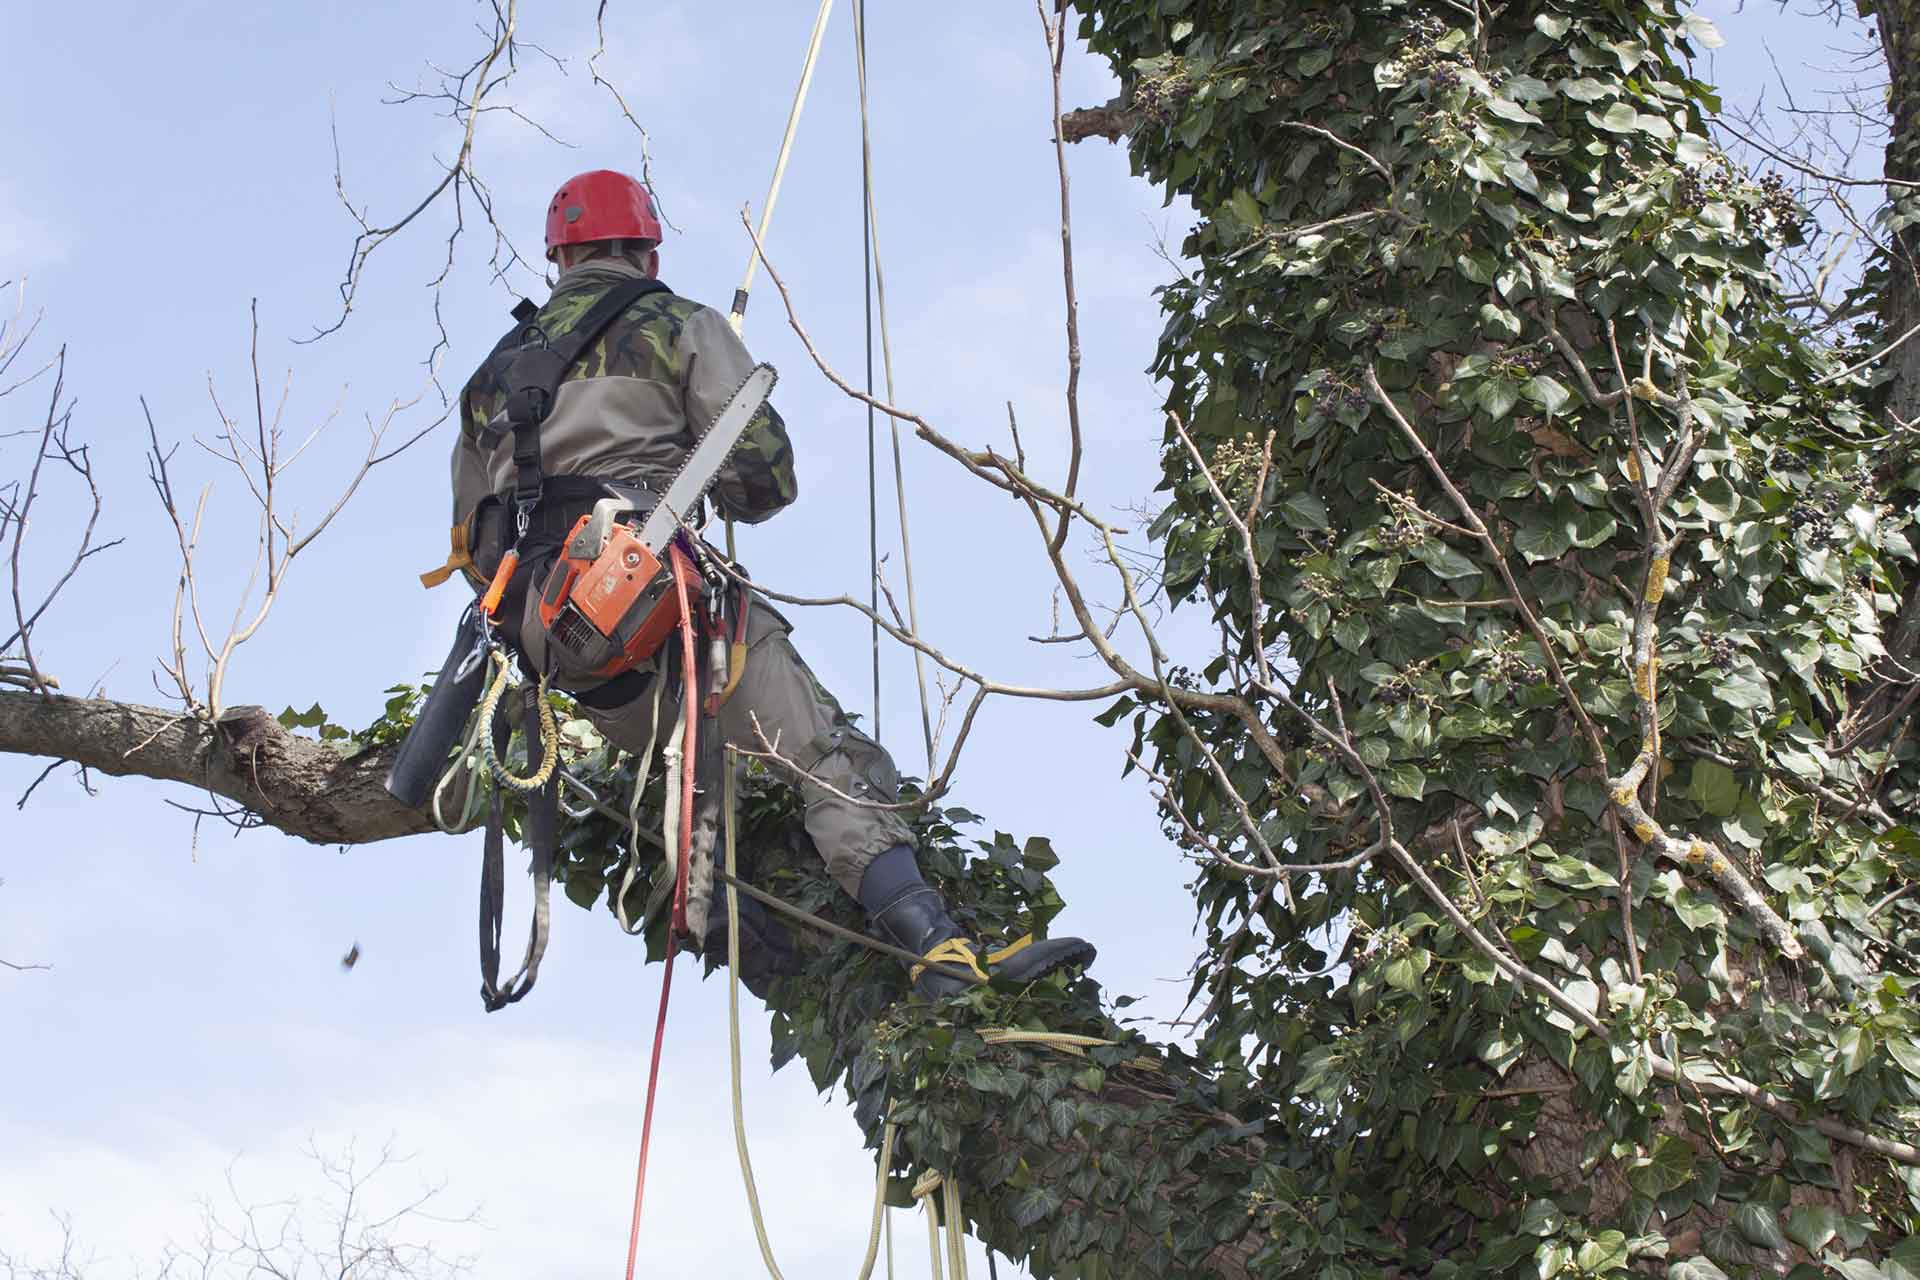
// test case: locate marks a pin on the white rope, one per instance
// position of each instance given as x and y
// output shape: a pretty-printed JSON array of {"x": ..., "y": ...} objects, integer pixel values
[
  {"x": 641, "y": 771},
  {"x": 886, "y": 355},
  {"x": 472, "y": 762},
  {"x": 780, "y": 166},
  {"x": 733, "y": 1060},
  {"x": 956, "y": 1230},
  {"x": 674, "y": 760}
]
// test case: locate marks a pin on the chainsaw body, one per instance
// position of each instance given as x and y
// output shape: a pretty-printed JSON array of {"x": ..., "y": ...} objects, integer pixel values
[{"x": 609, "y": 602}]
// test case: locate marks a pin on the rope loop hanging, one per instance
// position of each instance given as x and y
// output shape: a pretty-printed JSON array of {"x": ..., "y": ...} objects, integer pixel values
[{"x": 542, "y": 774}]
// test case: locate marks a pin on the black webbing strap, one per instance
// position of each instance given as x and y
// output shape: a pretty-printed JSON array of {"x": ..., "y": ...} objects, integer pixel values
[
  {"x": 533, "y": 378},
  {"x": 541, "y": 836}
]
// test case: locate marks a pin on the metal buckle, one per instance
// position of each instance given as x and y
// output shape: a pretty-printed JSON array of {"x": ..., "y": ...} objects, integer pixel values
[
  {"x": 472, "y": 660},
  {"x": 481, "y": 644},
  {"x": 582, "y": 811}
]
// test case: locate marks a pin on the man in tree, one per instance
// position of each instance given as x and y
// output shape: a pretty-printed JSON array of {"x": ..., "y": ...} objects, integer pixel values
[{"x": 627, "y": 411}]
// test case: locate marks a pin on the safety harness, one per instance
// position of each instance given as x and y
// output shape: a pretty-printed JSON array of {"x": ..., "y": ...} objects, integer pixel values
[{"x": 528, "y": 366}]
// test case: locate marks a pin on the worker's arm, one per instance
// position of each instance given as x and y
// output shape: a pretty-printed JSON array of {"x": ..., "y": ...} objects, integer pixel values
[
  {"x": 758, "y": 478},
  {"x": 470, "y": 471}
]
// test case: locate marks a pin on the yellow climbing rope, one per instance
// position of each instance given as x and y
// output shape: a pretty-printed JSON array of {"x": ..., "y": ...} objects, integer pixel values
[{"x": 549, "y": 733}]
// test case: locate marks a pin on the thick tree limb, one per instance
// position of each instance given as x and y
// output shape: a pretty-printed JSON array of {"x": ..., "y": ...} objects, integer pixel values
[
  {"x": 1112, "y": 120},
  {"x": 304, "y": 788}
]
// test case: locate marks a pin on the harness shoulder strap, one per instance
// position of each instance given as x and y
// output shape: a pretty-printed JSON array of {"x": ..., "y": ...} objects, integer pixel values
[{"x": 532, "y": 378}]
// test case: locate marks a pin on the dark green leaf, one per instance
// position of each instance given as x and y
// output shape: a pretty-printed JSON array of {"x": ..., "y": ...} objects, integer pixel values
[{"x": 1811, "y": 1225}]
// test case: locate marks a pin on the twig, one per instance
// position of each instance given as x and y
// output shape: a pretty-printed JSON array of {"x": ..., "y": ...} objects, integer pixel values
[
  {"x": 1055, "y": 32},
  {"x": 26, "y": 795}
]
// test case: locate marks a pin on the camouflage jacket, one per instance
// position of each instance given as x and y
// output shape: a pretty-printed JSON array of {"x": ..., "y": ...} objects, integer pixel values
[{"x": 633, "y": 404}]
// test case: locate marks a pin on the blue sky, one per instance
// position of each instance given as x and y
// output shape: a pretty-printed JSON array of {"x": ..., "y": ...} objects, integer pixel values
[{"x": 166, "y": 164}]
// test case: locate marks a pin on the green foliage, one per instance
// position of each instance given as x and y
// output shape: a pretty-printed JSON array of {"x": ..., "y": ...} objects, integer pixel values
[{"x": 1504, "y": 203}]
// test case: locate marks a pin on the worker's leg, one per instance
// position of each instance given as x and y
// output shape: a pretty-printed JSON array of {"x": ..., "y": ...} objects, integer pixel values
[
  {"x": 843, "y": 774},
  {"x": 840, "y": 771}
]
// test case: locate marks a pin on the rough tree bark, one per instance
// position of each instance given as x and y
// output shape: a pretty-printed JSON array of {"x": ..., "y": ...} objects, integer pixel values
[{"x": 305, "y": 788}]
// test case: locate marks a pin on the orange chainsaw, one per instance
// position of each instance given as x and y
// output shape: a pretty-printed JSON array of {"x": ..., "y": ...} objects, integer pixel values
[{"x": 609, "y": 601}]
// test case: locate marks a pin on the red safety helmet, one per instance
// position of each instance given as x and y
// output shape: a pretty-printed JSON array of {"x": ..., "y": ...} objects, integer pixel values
[{"x": 600, "y": 205}]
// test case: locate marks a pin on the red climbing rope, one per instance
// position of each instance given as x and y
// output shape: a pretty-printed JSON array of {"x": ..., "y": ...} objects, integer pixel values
[{"x": 677, "y": 924}]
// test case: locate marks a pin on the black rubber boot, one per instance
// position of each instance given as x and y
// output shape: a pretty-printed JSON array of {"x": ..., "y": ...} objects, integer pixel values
[{"x": 910, "y": 913}]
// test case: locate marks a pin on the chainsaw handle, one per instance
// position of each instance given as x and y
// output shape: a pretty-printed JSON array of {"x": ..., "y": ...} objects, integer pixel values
[{"x": 590, "y": 539}]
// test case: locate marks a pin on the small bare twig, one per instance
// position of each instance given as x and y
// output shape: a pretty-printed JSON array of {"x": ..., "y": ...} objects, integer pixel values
[
  {"x": 16, "y": 505},
  {"x": 261, "y": 458}
]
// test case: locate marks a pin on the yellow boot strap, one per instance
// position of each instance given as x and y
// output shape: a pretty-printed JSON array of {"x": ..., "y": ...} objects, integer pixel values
[
  {"x": 953, "y": 950},
  {"x": 459, "y": 558},
  {"x": 1012, "y": 948}
]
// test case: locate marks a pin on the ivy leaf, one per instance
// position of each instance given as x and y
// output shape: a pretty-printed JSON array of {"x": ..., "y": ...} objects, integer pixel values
[
  {"x": 1702, "y": 32},
  {"x": 1607, "y": 1251},
  {"x": 1586, "y": 90},
  {"x": 1444, "y": 560},
  {"x": 1592, "y": 528},
  {"x": 1858, "y": 1269},
  {"x": 1761, "y": 1225},
  {"x": 1903, "y": 1260},
  {"x": 1542, "y": 538},
  {"x": 1548, "y": 393},
  {"x": 1670, "y": 1166},
  {"x": 1404, "y": 780},
  {"x": 1811, "y": 1225},
  {"x": 1034, "y": 1204},
  {"x": 1404, "y": 971},
  {"x": 1513, "y": 111},
  {"x": 1541, "y": 1218},
  {"x": 1552, "y": 25},
  {"x": 1304, "y": 511},
  {"x": 1698, "y": 1267},
  {"x": 1577, "y": 873},
  {"x": 1714, "y": 788},
  {"x": 1618, "y": 118},
  {"x": 1634, "y": 1077},
  {"x": 1245, "y": 208},
  {"x": 1906, "y": 1052},
  {"x": 1696, "y": 911},
  {"x": 1744, "y": 692},
  {"x": 312, "y": 718},
  {"x": 1498, "y": 396},
  {"x": 1038, "y": 853}
]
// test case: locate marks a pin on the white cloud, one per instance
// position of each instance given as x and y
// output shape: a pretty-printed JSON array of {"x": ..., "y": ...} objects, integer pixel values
[
  {"x": 27, "y": 243},
  {"x": 538, "y": 1133}
]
